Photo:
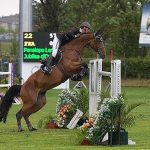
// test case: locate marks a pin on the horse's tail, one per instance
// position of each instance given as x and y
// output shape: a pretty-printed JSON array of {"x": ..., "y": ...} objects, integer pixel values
[{"x": 7, "y": 101}]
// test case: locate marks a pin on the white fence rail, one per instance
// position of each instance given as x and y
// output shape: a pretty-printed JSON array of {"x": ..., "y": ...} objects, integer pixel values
[{"x": 9, "y": 75}]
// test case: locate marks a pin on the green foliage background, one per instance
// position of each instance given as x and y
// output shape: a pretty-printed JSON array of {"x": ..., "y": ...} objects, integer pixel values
[{"x": 119, "y": 21}]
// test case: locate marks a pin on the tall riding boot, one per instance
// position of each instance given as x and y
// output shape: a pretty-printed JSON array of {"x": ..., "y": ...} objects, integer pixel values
[{"x": 48, "y": 65}]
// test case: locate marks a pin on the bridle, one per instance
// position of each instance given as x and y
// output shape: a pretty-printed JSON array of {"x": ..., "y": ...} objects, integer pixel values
[{"x": 99, "y": 39}]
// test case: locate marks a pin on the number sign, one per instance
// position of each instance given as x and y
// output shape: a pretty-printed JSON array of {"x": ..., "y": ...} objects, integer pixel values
[{"x": 37, "y": 45}]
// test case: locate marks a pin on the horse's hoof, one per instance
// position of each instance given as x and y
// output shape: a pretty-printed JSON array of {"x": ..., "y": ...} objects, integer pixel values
[
  {"x": 33, "y": 129},
  {"x": 20, "y": 130}
]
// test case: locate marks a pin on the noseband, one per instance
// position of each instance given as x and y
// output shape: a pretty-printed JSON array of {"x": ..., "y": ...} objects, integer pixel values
[{"x": 99, "y": 39}]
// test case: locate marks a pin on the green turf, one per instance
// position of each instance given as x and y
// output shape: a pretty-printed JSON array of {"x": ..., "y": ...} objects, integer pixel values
[{"x": 65, "y": 139}]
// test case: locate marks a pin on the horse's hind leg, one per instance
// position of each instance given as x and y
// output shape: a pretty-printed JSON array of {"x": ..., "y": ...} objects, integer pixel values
[
  {"x": 26, "y": 112},
  {"x": 22, "y": 113},
  {"x": 41, "y": 101},
  {"x": 18, "y": 117}
]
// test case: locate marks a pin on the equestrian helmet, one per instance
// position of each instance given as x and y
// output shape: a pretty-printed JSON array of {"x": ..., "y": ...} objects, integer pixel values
[{"x": 85, "y": 24}]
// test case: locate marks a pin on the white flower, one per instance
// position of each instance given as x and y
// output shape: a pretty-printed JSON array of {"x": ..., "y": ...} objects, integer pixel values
[
  {"x": 104, "y": 108},
  {"x": 103, "y": 116}
]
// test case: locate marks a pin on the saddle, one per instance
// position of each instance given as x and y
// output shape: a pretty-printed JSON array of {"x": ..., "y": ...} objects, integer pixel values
[{"x": 56, "y": 61}]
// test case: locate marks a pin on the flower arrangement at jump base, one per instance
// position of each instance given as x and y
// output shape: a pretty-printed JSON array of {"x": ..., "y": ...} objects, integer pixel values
[
  {"x": 85, "y": 127},
  {"x": 89, "y": 123},
  {"x": 114, "y": 114},
  {"x": 64, "y": 115},
  {"x": 67, "y": 105},
  {"x": 65, "y": 108},
  {"x": 107, "y": 112},
  {"x": 62, "y": 118},
  {"x": 102, "y": 122}
]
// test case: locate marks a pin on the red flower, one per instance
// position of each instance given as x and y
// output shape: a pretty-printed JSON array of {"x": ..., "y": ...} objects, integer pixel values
[
  {"x": 85, "y": 141},
  {"x": 52, "y": 125}
]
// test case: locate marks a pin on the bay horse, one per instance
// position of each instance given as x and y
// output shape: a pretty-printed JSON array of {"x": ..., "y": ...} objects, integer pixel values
[{"x": 33, "y": 91}]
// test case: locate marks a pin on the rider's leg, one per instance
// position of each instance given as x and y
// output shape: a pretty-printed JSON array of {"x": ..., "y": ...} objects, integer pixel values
[{"x": 50, "y": 60}]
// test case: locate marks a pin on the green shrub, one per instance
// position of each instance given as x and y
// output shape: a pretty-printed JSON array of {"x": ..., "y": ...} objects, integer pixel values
[{"x": 135, "y": 67}]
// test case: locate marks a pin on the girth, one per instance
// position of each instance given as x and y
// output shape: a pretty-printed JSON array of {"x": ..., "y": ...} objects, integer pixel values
[{"x": 63, "y": 71}]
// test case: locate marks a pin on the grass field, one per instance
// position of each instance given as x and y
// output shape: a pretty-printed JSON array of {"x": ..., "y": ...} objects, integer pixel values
[{"x": 64, "y": 139}]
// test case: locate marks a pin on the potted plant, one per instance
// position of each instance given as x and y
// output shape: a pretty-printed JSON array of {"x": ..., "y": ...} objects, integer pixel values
[
  {"x": 122, "y": 118},
  {"x": 103, "y": 119},
  {"x": 47, "y": 122}
]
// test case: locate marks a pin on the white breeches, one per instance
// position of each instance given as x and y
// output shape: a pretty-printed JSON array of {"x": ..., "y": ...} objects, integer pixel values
[{"x": 55, "y": 47}]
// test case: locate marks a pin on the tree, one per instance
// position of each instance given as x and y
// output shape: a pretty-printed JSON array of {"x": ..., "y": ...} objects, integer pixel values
[
  {"x": 118, "y": 20},
  {"x": 46, "y": 14}
]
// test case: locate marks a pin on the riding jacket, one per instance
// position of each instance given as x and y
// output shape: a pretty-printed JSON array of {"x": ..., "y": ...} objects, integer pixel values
[{"x": 69, "y": 36}]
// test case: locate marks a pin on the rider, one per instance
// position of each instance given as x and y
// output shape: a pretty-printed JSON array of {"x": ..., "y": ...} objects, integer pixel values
[{"x": 60, "y": 40}]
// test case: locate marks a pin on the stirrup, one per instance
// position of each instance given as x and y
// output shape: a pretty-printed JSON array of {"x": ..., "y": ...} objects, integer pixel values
[{"x": 46, "y": 70}]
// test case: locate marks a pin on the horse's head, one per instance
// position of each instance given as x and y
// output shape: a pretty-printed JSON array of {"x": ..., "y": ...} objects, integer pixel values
[{"x": 97, "y": 44}]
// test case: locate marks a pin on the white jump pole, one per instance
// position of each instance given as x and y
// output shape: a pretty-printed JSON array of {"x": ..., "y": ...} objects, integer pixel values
[
  {"x": 95, "y": 82},
  {"x": 115, "y": 78},
  {"x": 95, "y": 66}
]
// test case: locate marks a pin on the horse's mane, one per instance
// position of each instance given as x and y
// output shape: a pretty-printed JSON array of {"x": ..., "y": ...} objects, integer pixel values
[{"x": 83, "y": 36}]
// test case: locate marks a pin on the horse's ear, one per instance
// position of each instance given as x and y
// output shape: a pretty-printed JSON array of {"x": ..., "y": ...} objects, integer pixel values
[
  {"x": 98, "y": 36},
  {"x": 97, "y": 33}
]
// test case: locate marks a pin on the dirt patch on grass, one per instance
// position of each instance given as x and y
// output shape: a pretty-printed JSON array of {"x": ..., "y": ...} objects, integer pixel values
[
  {"x": 127, "y": 82},
  {"x": 135, "y": 82}
]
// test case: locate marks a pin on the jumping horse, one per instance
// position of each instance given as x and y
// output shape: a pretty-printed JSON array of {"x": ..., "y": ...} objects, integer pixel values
[{"x": 33, "y": 91}]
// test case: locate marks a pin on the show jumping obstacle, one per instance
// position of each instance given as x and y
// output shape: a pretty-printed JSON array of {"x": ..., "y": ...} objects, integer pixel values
[{"x": 95, "y": 82}]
